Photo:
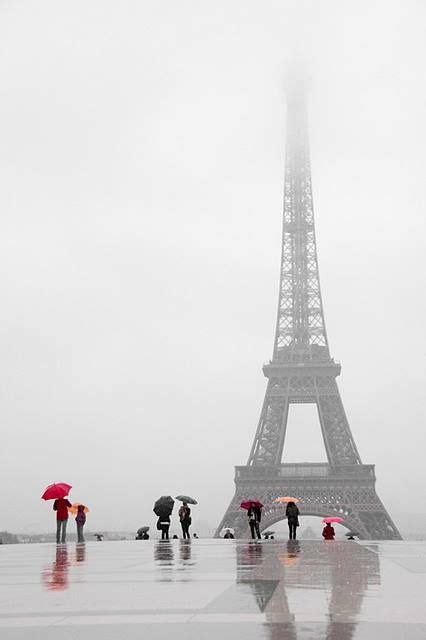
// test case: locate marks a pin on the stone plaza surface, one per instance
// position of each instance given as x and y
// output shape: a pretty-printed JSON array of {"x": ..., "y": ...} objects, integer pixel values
[{"x": 220, "y": 589}]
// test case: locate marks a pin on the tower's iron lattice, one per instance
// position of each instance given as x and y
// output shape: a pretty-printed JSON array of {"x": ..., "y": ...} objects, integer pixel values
[{"x": 302, "y": 371}]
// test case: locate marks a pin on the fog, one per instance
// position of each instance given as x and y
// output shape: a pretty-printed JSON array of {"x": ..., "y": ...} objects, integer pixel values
[{"x": 142, "y": 165}]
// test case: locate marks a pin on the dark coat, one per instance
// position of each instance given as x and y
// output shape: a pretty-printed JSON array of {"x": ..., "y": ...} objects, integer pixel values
[
  {"x": 256, "y": 512},
  {"x": 292, "y": 513}
]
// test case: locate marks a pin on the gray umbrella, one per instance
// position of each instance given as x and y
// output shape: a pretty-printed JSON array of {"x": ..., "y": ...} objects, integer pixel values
[{"x": 186, "y": 499}]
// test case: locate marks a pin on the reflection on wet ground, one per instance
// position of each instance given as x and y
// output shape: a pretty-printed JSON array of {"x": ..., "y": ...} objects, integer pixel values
[
  {"x": 267, "y": 590},
  {"x": 55, "y": 576}
]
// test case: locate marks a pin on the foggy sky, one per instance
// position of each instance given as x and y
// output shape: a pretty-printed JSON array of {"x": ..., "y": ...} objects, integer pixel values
[{"x": 142, "y": 166}]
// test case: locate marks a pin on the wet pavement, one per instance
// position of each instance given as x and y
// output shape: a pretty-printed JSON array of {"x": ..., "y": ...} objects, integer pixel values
[{"x": 221, "y": 589}]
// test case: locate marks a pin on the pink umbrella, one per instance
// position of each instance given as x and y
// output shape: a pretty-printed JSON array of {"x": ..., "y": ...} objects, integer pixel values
[
  {"x": 247, "y": 504},
  {"x": 56, "y": 490},
  {"x": 330, "y": 519}
]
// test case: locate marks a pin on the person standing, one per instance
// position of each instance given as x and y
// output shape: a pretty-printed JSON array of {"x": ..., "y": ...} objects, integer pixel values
[
  {"x": 328, "y": 532},
  {"x": 80, "y": 520},
  {"x": 292, "y": 513},
  {"x": 61, "y": 507},
  {"x": 254, "y": 515},
  {"x": 163, "y": 524},
  {"x": 185, "y": 520}
]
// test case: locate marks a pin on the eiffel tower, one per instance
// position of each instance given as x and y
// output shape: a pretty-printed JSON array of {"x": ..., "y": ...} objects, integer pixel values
[{"x": 302, "y": 371}]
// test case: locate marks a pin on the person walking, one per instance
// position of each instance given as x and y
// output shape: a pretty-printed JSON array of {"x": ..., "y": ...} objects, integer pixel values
[
  {"x": 80, "y": 520},
  {"x": 328, "y": 532},
  {"x": 292, "y": 513},
  {"x": 163, "y": 524},
  {"x": 61, "y": 507},
  {"x": 254, "y": 515},
  {"x": 185, "y": 520}
]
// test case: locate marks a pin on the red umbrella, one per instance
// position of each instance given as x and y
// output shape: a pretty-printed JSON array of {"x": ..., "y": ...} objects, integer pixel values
[
  {"x": 56, "y": 490},
  {"x": 331, "y": 519},
  {"x": 247, "y": 504}
]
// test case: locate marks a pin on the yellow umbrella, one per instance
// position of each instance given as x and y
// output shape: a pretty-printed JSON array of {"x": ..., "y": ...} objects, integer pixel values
[
  {"x": 74, "y": 508},
  {"x": 286, "y": 499}
]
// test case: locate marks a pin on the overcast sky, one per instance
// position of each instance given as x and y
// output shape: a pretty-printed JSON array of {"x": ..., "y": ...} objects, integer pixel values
[{"x": 142, "y": 165}]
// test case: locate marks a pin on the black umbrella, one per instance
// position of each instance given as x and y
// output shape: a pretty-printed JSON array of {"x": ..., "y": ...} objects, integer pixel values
[{"x": 163, "y": 506}]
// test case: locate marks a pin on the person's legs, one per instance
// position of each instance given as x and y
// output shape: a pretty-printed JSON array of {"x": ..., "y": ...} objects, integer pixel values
[
  {"x": 163, "y": 533},
  {"x": 64, "y": 530},
  {"x": 58, "y": 531},
  {"x": 80, "y": 537},
  {"x": 256, "y": 526},
  {"x": 252, "y": 524},
  {"x": 167, "y": 531},
  {"x": 290, "y": 531},
  {"x": 294, "y": 531}
]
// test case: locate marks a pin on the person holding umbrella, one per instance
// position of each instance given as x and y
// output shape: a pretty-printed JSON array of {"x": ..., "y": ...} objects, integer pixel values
[
  {"x": 80, "y": 520},
  {"x": 185, "y": 514},
  {"x": 185, "y": 520},
  {"x": 328, "y": 532},
  {"x": 163, "y": 524},
  {"x": 61, "y": 507},
  {"x": 292, "y": 513},
  {"x": 142, "y": 533},
  {"x": 254, "y": 515},
  {"x": 58, "y": 492},
  {"x": 163, "y": 507}
]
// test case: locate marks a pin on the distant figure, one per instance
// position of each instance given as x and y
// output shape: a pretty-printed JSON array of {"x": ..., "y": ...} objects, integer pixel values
[
  {"x": 80, "y": 520},
  {"x": 99, "y": 536},
  {"x": 175, "y": 537},
  {"x": 163, "y": 524},
  {"x": 142, "y": 535},
  {"x": 185, "y": 520},
  {"x": 351, "y": 537},
  {"x": 254, "y": 515},
  {"x": 228, "y": 534},
  {"x": 61, "y": 507},
  {"x": 328, "y": 532},
  {"x": 195, "y": 536},
  {"x": 271, "y": 537},
  {"x": 292, "y": 513}
]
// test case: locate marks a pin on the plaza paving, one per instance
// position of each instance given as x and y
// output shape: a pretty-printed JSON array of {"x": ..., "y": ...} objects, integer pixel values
[{"x": 219, "y": 589}]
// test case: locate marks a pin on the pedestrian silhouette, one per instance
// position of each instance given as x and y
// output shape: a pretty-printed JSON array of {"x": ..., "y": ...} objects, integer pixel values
[
  {"x": 292, "y": 513},
  {"x": 328, "y": 532},
  {"x": 61, "y": 507},
  {"x": 185, "y": 520}
]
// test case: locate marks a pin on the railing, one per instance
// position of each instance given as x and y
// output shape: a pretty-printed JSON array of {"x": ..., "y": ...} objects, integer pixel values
[{"x": 314, "y": 470}]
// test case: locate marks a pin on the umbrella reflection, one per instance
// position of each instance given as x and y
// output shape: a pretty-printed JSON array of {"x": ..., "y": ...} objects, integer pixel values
[
  {"x": 55, "y": 578},
  {"x": 291, "y": 556}
]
